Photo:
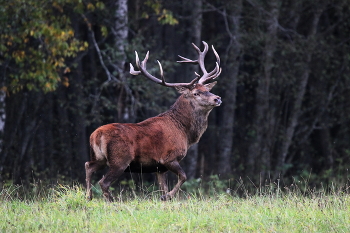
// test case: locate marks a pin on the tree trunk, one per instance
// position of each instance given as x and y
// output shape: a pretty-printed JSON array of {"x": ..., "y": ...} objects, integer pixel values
[
  {"x": 259, "y": 152},
  {"x": 230, "y": 79},
  {"x": 79, "y": 140},
  {"x": 63, "y": 140},
  {"x": 120, "y": 32},
  {"x": 25, "y": 124},
  {"x": 2, "y": 119},
  {"x": 299, "y": 96}
]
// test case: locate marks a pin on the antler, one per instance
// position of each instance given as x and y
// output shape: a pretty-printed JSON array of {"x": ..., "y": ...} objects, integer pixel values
[
  {"x": 206, "y": 77},
  {"x": 143, "y": 70}
]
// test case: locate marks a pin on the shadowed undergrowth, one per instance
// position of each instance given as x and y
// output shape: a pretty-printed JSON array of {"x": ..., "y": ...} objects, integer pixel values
[{"x": 63, "y": 208}]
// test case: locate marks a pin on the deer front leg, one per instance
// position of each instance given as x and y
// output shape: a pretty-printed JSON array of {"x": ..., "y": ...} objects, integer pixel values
[{"x": 176, "y": 168}]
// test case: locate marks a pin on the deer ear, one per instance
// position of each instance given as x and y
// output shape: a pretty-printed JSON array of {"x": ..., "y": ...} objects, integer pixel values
[
  {"x": 182, "y": 89},
  {"x": 209, "y": 86}
]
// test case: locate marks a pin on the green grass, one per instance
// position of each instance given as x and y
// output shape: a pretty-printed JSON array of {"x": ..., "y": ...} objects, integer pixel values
[{"x": 64, "y": 209}]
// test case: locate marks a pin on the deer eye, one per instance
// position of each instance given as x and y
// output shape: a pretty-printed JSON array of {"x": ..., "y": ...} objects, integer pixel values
[{"x": 196, "y": 94}]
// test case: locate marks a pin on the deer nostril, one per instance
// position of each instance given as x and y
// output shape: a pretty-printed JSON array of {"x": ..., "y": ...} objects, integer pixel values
[{"x": 218, "y": 100}]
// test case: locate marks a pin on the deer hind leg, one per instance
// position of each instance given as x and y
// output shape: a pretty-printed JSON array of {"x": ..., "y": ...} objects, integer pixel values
[
  {"x": 90, "y": 168},
  {"x": 176, "y": 168},
  {"x": 111, "y": 176},
  {"x": 162, "y": 181},
  {"x": 118, "y": 159}
]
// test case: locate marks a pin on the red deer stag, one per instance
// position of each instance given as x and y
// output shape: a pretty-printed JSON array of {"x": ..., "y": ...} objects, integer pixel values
[{"x": 159, "y": 143}]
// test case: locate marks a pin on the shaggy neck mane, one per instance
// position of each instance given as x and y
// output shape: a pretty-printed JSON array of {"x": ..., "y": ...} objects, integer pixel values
[{"x": 193, "y": 120}]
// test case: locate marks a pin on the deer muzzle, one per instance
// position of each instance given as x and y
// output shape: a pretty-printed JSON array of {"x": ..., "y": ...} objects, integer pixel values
[{"x": 218, "y": 101}]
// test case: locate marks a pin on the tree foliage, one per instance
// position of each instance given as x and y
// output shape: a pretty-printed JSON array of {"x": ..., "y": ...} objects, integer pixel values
[{"x": 36, "y": 40}]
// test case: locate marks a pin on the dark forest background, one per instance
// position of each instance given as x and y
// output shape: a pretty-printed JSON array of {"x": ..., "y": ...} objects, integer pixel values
[{"x": 285, "y": 83}]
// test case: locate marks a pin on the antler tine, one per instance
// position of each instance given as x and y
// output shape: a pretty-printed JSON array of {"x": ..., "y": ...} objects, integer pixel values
[
  {"x": 205, "y": 50},
  {"x": 201, "y": 56},
  {"x": 184, "y": 59},
  {"x": 161, "y": 73},
  {"x": 216, "y": 55},
  {"x": 144, "y": 62},
  {"x": 137, "y": 60},
  {"x": 143, "y": 70},
  {"x": 214, "y": 73},
  {"x": 215, "y": 70},
  {"x": 133, "y": 71},
  {"x": 206, "y": 77}
]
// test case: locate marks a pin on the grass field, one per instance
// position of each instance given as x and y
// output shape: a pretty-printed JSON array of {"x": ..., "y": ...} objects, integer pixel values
[{"x": 64, "y": 209}]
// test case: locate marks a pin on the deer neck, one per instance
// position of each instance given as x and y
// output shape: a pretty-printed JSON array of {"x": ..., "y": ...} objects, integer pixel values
[{"x": 192, "y": 119}]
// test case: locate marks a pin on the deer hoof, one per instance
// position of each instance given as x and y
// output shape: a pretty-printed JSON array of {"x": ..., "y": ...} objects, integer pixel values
[{"x": 108, "y": 197}]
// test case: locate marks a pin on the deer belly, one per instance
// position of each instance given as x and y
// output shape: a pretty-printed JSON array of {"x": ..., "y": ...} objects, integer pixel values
[{"x": 135, "y": 167}]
